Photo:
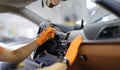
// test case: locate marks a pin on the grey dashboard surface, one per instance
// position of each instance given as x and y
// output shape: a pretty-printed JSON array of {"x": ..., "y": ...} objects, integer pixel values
[
  {"x": 108, "y": 29},
  {"x": 99, "y": 32}
]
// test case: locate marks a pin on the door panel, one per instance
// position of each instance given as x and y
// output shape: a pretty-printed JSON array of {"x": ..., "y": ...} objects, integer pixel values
[{"x": 98, "y": 56}]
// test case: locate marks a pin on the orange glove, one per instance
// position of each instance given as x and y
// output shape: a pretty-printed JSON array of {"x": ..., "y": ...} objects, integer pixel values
[
  {"x": 45, "y": 35},
  {"x": 73, "y": 49}
]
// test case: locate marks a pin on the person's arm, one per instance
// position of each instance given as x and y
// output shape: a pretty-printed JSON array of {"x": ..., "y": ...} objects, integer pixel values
[
  {"x": 23, "y": 52},
  {"x": 56, "y": 66},
  {"x": 18, "y": 54}
]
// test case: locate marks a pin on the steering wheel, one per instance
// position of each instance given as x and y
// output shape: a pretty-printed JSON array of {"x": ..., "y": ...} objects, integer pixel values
[{"x": 56, "y": 46}]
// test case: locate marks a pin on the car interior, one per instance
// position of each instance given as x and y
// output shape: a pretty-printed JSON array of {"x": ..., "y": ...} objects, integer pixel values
[{"x": 100, "y": 30}]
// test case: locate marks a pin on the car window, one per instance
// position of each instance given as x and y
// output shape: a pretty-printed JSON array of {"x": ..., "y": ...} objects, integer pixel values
[{"x": 15, "y": 29}]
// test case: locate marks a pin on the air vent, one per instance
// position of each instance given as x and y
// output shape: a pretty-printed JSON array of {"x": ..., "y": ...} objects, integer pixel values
[{"x": 109, "y": 32}]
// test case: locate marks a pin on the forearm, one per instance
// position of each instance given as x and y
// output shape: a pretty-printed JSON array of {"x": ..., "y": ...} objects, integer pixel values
[
  {"x": 25, "y": 51},
  {"x": 56, "y": 66},
  {"x": 18, "y": 54}
]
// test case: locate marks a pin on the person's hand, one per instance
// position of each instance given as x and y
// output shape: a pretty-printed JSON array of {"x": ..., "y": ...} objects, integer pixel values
[
  {"x": 45, "y": 35},
  {"x": 73, "y": 50}
]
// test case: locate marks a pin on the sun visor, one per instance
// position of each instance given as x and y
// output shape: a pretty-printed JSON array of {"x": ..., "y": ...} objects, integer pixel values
[{"x": 112, "y": 5}]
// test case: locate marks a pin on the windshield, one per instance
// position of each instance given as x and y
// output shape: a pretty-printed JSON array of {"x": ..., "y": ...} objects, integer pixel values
[{"x": 73, "y": 11}]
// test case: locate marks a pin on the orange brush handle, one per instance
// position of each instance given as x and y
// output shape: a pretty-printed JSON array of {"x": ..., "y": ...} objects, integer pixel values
[{"x": 73, "y": 49}]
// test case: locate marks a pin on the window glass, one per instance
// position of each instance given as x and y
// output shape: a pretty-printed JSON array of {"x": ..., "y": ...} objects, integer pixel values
[{"x": 15, "y": 29}]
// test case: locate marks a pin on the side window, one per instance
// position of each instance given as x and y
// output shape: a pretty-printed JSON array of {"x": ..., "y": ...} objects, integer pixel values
[{"x": 15, "y": 29}]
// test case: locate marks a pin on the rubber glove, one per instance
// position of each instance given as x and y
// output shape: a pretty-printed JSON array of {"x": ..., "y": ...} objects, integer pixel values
[
  {"x": 45, "y": 35},
  {"x": 72, "y": 51}
]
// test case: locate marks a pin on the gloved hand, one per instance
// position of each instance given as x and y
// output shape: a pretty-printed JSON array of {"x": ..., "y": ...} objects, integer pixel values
[
  {"x": 73, "y": 50},
  {"x": 45, "y": 35}
]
